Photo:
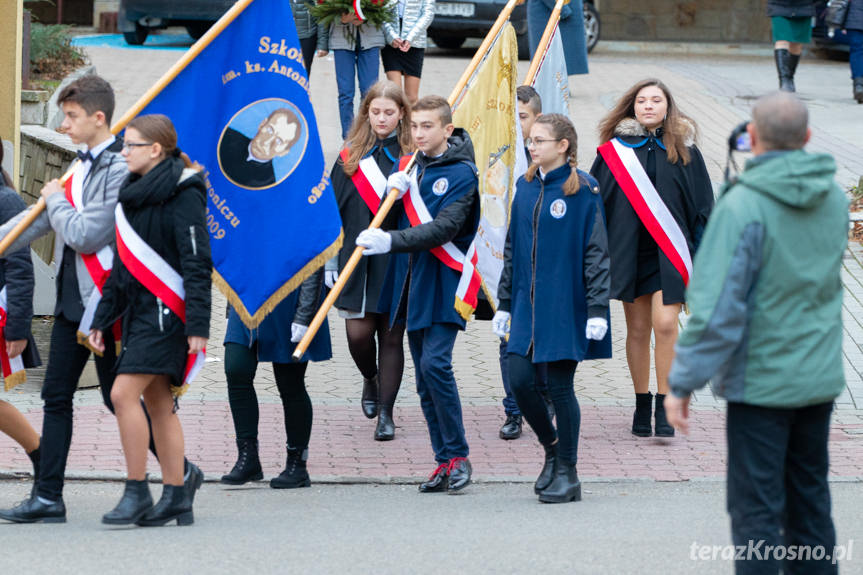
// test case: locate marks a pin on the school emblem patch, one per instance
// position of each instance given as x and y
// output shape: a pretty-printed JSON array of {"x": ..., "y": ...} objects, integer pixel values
[
  {"x": 440, "y": 186},
  {"x": 557, "y": 209}
]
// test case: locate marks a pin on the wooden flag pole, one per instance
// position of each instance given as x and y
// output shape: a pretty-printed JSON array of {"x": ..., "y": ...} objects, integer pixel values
[
  {"x": 142, "y": 103},
  {"x": 393, "y": 194},
  {"x": 544, "y": 41}
]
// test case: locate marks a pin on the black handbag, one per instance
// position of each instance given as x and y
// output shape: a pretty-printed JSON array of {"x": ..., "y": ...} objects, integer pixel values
[{"x": 835, "y": 13}]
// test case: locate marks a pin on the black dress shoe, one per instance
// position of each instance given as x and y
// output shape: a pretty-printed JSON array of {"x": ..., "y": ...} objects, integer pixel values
[
  {"x": 386, "y": 429},
  {"x": 459, "y": 474},
  {"x": 565, "y": 487},
  {"x": 548, "y": 468},
  {"x": 369, "y": 398},
  {"x": 437, "y": 481},
  {"x": 194, "y": 478},
  {"x": 511, "y": 428},
  {"x": 174, "y": 504},
  {"x": 135, "y": 502},
  {"x": 248, "y": 465},
  {"x": 34, "y": 511}
]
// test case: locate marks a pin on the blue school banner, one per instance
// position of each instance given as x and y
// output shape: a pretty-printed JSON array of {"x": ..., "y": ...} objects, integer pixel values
[{"x": 241, "y": 108}]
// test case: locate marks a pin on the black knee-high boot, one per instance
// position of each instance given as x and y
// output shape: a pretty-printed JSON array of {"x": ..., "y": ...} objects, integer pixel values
[{"x": 786, "y": 63}]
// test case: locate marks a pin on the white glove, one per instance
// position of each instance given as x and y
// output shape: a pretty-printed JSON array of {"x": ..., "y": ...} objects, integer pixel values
[
  {"x": 375, "y": 241},
  {"x": 400, "y": 181},
  {"x": 596, "y": 328},
  {"x": 330, "y": 278},
  {"x": 298, "y": 331},
  {"x": 500, "y": 323}
]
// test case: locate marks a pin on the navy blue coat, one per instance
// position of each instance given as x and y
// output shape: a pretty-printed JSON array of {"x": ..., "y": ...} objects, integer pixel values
[
  {"x": 274, "y": 333},
  {"x": 854, "y": 20},
  {"x": 571, "y": 28},
  {"x": 552, "y": 286},
  {"x": 415, "y": 277}
]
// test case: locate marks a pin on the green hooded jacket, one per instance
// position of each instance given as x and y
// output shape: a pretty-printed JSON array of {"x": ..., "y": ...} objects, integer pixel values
[{"x": 766, "y": 291}]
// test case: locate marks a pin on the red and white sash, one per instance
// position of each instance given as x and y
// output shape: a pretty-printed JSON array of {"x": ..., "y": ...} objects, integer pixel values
[
  {"x": 13, "y": 368},
  {"x": 465, "y": 264},
  {"x": 369, "y": 180},
  {"x": 649, "y": 207},
  {"x": 155, "y": 274},
  {"x": 98, "y": 265}
]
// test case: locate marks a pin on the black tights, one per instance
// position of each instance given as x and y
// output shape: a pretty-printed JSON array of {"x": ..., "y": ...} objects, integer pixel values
[
  {"x": 385, "y": 357},
  {"x": 241, "y": 363},
  {"x": 522, "y": 376}
]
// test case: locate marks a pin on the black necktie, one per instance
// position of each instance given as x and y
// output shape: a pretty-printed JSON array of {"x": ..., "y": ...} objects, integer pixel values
[{"x": 85, "y": 156}]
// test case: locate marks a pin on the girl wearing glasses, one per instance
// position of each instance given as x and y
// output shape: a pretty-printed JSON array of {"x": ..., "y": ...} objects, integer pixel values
[
  {"x": 163, "y": 201},
  {"x": 554, "y": 295},
  {"x": 648, "y": 157}
]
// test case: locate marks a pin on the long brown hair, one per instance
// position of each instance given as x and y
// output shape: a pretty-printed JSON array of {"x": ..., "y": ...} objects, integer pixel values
[
  {"x": 677, "y": 127},
  {"x": 159, "y": 129},
  {"x": 562, "y": 129},
  {"x": 362, "y": 138}
]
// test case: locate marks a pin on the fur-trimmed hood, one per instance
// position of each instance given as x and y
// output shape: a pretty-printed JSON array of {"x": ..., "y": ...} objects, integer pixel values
[{"x": 632, "y": 127}]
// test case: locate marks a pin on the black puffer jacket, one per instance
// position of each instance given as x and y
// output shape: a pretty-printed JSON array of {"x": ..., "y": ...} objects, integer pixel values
[
  {"x": 16, "y": 274},
  {"x": 791, "y": 8},
  {"x": 167, "y": 208}
]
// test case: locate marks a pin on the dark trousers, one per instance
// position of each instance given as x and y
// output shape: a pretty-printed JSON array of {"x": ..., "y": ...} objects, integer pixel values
[
  {"x": 777, "y": 484},
  {"x": 510, "y": 405},
  {"x": 431, "y": 350},
  {"x": 66, "y": 362},
  {"x": 241, "y": 363},
  {"x": 522, "y": 373},
  {"x": 855, "y": 57},
  {"x": 307, "y": 46}
]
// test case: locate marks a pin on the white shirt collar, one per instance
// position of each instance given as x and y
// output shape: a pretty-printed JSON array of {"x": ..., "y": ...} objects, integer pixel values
[{"x": 102, "y": 147}]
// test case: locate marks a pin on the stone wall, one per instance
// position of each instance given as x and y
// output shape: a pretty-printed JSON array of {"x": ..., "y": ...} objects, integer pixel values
[
  {"x": 45, "y": 155},
  {"x": 728, "y": 21}
]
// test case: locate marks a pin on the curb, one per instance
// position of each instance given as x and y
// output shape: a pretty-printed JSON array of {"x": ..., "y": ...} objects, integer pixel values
[{"x": 684, "y": 48}]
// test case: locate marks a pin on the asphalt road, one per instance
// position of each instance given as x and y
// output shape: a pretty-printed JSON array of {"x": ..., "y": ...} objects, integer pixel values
[{"x": 638, "y": 527}]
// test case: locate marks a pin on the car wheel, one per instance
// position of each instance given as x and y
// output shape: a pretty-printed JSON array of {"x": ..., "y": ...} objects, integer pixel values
[
  {"x": 448, "y": 42},
  {"x": 138, "y": 36},
  {"x": 523, "y": 46},
  {"x": 197, "y": 29},
  {"x": 591, "y": 26}
]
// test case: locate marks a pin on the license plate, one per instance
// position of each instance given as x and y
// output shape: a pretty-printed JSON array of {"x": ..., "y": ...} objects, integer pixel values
[{"x": 454, "y": 9}]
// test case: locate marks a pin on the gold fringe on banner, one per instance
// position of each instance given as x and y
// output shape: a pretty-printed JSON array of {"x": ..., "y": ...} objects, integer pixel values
[
  {"x": 252, "y": 321},
  {"x": 14, "y": 380}
]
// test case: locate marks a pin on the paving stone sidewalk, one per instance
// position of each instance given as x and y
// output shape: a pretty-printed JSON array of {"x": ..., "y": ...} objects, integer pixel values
[{"x": 717, "y": 92}]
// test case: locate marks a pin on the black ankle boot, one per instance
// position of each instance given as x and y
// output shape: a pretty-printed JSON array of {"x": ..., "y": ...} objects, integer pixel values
[
  {"x": 565, "y": 486},
  {"x": 641, "y": 417},
  {"x": 34, "y": 459},
  {"x": 548, "y": 468},
  {"x": 135, "y": 503},
  {"x": 858, "y": 89},
  {"x": 662, "y": 429},
  {"x": 386, "y": 429},
  {"x": 174, "y": 504},
  {"x": 295, "y": 473},
  {"x": 369, "y": 399},
  {"x": 785, "y": 66},
  {"x": 248, "y": 465}
]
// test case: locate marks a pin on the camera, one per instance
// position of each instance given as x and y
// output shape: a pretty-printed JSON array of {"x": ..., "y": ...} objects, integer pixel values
[{"x": 739, "y": 140}]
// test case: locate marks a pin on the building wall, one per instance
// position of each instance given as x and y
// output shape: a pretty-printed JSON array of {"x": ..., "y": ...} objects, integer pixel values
[{"x": 740, "y": 21}]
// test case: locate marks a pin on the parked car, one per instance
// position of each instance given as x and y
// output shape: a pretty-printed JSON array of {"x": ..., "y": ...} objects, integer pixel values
[
  {"x": 455, "y": 22},
  {"x": 136, "y": 18},
  {"x": 832, "y": 46}
]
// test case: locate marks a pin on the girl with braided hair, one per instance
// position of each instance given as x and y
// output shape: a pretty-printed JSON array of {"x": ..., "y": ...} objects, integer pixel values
[{"x": 553, "y": 295}]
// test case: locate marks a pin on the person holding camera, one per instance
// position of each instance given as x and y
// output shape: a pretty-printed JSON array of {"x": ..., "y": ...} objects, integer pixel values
[
  {"x": 657, "y": 198},
  {"x": 766, "y": 328}
]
